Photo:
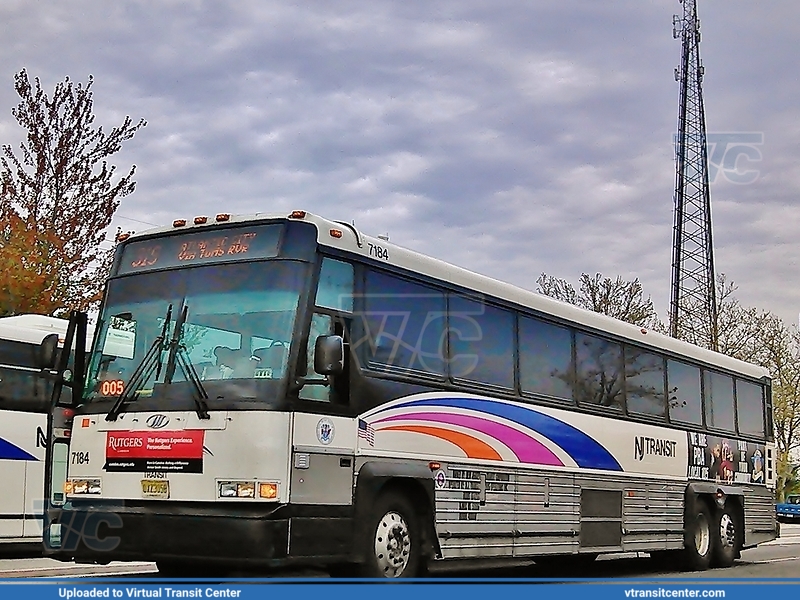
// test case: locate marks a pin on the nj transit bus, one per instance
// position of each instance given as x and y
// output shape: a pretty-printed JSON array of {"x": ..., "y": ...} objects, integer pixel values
[
  {"x": 276, "y": 390},
  {"x": 24, "y": 403}
]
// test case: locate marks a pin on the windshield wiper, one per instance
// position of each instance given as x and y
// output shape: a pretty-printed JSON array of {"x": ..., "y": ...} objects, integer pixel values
[
  {"x": 178, "y": 354},
  {"x": 152, "y": 361}
]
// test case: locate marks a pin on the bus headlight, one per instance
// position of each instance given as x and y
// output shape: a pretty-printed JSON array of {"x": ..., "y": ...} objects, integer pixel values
[
  {"x": 237, "y": 489},
  {"x": 267, "y": 490}
]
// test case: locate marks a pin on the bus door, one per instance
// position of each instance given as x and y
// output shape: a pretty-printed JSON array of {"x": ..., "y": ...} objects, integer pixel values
[
  {"x": 323, "y": 442},
  {"x": 67, "y": 391}
]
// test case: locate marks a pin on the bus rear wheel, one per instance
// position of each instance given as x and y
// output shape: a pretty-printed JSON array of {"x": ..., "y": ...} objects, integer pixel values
[
  {"x": 392, "y": 545},
  {"x": 727, "y": 537},
  {"x": 701, "y": 541}
]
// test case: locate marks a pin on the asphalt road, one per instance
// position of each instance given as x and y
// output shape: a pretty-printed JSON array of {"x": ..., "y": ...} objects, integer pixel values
[{"x": 776, "y": 559}]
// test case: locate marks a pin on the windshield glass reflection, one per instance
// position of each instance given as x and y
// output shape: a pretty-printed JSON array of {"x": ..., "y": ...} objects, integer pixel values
[{"x": 238, "y": 328}]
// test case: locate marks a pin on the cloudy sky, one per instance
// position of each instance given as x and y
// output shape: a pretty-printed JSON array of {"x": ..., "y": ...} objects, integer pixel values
[{"x": 507, "y": 137}]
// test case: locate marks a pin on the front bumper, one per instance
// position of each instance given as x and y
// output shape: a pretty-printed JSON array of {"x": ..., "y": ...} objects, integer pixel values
[{"x": 236, "y": 535}]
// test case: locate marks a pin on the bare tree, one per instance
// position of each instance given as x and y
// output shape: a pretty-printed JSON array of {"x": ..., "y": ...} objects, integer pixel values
[
  {"x": 60, "y": 193},
  {"x": 761, "y": 337},
  {"x": 779, "y": 351},
  {"x": 618, "y": 298},
  {"x": 741, "y": 329}
]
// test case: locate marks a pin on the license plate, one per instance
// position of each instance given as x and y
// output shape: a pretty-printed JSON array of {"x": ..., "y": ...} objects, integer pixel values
[{"x": 155, "y": 488}]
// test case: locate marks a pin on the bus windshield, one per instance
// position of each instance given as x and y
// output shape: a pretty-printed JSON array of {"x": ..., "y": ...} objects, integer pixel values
[{"x": 236, "y": 337}]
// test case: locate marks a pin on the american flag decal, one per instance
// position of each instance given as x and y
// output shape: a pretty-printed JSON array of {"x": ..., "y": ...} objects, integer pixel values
[{"x": 366, "y": 432}]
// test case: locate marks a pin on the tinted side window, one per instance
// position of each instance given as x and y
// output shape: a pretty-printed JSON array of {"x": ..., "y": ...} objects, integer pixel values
[
  {"x": 545, "y": 358},
  {"x": 598, "y": 377},
  {"x": 481, "y": 342},
  {"x": 335, "y": 288},
  {"x": 21, "y": 387},
  {"x": 750, "y": 407},
  {"x": 320, "y": 325},
  {"x": 644, "y": 382},
  {"x": 402, "y": 326},
  {"x": 685, "y": 401},
  {"x": 718, "y": 391},
  {"x": 18, "y": 354}
]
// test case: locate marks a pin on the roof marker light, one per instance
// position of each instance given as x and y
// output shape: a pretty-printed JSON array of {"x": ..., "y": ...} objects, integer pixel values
[
  {"x": 122, "y": 237},
  {"x": 298, "y": 214},
  {"x": 336, "y": 233},
  {"x": 222, "y": 217},
  {"x": 179, "y": 223},
  {"x": 200, "y": 220}
]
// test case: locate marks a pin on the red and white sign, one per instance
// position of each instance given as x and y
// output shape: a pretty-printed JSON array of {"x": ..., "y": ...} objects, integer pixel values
[{"x": 163, "y": 451}]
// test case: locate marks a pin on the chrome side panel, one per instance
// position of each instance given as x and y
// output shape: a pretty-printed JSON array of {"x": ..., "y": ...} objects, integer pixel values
[
  {"x": 548, "y": 514},
  {"x": 759, "y": 516},
  {"x": 503, "y": 512}
]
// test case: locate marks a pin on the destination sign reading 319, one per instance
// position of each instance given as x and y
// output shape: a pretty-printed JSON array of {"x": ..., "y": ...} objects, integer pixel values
[{"x": 201, "y": 247}]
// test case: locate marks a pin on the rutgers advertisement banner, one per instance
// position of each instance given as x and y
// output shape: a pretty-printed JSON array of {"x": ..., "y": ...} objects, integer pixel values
[{"x": 154, "y": 451}]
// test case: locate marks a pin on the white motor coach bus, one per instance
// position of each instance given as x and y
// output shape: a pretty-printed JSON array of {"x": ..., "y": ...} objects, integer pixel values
[
  {"x": 282, "y": 389},
  {"x": 24, "y": 404}
]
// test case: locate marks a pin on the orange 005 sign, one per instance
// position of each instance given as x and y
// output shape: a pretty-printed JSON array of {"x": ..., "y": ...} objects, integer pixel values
[{"x": 113, "y": 387}]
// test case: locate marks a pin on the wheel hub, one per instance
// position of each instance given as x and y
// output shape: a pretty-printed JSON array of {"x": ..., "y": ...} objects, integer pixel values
[
  {"x": 702, "y": 536},
  {"x": 392, "y": 544},
  {"x": 727, "y": 531}
]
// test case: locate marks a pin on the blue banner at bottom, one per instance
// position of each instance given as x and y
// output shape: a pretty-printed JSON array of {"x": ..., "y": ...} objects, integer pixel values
[{"x": 322, "y": 589}]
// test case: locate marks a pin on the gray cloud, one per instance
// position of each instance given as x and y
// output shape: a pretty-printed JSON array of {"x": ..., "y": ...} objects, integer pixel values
[{"x": 507, "y": 138}]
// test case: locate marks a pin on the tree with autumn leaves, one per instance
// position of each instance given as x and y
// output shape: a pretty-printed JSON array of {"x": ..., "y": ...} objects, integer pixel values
[{"x": 58, "y": 194}]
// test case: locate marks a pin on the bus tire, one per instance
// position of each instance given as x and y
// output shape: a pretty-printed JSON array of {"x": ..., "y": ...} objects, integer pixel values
[
  {"x": 727, "y": 533},
  {"x": 392, "y": 547},
  {"x": 701, "y": 542}
]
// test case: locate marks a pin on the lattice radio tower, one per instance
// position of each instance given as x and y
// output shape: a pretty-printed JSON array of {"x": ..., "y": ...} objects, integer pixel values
[{"x": 693, "y": 307}]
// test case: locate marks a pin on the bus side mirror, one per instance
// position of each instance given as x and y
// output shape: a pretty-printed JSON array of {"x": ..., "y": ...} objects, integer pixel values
[
  {"x": 47, "y": 351},
  {"x": 329, "y": 355}
]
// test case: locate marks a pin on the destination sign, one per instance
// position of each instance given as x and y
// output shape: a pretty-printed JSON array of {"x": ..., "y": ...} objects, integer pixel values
[{"x": 200, "y": 247}]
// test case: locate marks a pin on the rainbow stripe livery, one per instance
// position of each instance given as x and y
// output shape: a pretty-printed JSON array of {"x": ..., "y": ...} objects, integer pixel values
[{"x": 487, "y": 429}]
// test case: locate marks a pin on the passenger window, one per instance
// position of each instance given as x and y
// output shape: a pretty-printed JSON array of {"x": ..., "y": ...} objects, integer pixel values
[
  {"x": 320, "y": 325},
  {"x": 481, "y": 342},
  {"x": 401, "y": 329},
  {"x": 19, "y": 354},
  {"x": 750, "y": 407},
  {"x": 598, "y": 376},
  {"x": 335, "y": 288},
  {"x": 644, "y": 382},
  {"x": 718, "y": 391},
  {"x": 545, "y": 358},
  {"x": 683, "y": 384}
]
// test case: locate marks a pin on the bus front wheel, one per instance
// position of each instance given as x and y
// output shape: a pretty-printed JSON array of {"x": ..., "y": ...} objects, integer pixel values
[
  {"x": 392, "y": 546},
  {"x": 701, "y": 541}
]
